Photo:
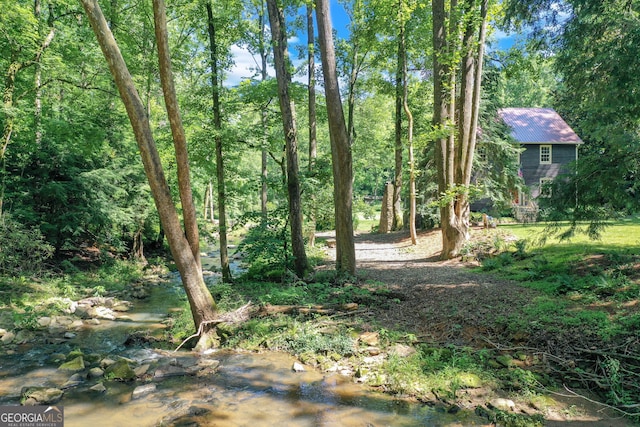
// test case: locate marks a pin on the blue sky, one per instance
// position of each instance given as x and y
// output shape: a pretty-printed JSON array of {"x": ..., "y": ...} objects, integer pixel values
[{"x": 245, "y": 63}]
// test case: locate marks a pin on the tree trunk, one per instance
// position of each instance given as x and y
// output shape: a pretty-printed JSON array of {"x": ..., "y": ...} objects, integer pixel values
[
  {"x": 397, "y": 179},
  {"x": 454, "y": 150},
  {"x": 202, "y": 305},
  {"x": 313, "y": 143},
  {"x": 263, "y": 118},
  {"x": 217, "y": 124},
  {"x": 340, "y": 147},
  {"x": 177, "y": 130},
  {"x": 407, "y": 111},
  {"x": 281, "y": 62}
]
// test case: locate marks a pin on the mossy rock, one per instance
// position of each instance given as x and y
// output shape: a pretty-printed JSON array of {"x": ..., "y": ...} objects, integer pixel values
[
  {"x": 121, "y": 370},
  {"x": 40, "y": 395},
  {"x": 468, "y": 380},
  {"x": 74, "y": 365},
  {"x": 542, "y": 402},
  {"x": 505, "y": 360},
  {"x": 74, "y": 354}
]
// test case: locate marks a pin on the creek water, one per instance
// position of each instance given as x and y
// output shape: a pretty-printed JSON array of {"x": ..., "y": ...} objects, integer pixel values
[{"x": 247, "y": 389}]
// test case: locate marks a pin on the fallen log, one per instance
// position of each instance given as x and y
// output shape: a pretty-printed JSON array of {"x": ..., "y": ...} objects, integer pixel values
[{"x": 270, "y": 310}]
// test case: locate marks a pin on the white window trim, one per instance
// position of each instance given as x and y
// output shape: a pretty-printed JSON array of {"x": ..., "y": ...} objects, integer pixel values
[
  {"x": 545, "y": 181},
  {"x": 546, "y": 162}
]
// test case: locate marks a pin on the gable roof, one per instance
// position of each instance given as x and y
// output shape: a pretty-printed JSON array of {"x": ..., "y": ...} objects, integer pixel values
[{"x": 538, "y": 126}]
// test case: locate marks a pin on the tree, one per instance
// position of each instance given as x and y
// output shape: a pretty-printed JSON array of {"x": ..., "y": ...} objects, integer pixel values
[
  {"x": 311, "y": 91},
  {"x": 283, "y": 76},
  {"x": 594, "y": 45},
  {"x": 340, "y": 147},
  {"x": 459, "y": 31},
  {"x": 202, "y": 305},
  {"x": 217, "y": 124}
]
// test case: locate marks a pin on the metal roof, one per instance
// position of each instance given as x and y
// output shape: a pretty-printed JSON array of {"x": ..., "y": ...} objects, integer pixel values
[{"x": 538, "y": 126}]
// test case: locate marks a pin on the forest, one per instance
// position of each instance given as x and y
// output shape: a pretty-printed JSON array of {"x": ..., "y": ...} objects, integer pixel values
[{"x": 138, "y": 145}]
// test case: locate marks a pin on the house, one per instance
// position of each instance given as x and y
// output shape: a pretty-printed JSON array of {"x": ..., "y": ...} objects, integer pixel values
[{"x": 550, "y": 145}]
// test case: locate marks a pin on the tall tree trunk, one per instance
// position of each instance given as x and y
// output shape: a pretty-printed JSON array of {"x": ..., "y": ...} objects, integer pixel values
[
  {"x": 340, "y": 148},
  {"x": 313, "y": 143},
  {"x": 407, "y": 111},
  {"x": 283, "y": 76},
  {"x": 177, "y": 130},
  {"x": 454, "y": 151},
  {"x": 397, "y": 179},
  {"x": 202, "y": 305},
  {"x": 263, "y": 117},
  {"x": 217, "y": 124}
]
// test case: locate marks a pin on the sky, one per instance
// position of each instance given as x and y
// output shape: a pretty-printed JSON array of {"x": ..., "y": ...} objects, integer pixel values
[{"x": 246, "y": 63}]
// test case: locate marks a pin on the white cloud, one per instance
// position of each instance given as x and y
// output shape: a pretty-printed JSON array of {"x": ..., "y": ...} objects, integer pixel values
[{"x": 247, "y": 65}]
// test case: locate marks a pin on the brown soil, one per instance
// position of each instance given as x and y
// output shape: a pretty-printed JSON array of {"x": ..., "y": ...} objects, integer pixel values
[{"x": 445, "y": 302}]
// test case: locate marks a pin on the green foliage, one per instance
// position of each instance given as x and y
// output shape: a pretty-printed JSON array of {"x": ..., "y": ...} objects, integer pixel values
[
  {"x": 303, "y": 338},
  {"x": 23, "y": 250},
  {"x": 266, "y": 246}
]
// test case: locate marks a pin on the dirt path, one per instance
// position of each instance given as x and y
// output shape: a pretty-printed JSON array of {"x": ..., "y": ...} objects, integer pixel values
[
  {"x": 438, "y": 301},
  {"x": 444, "y": 302}
]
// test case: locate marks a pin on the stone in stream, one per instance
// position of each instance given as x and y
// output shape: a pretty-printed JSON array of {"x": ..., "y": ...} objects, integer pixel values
[
  {"x": 32, "y": 396},
  {"x": 120, "y": 370},
  {"x": 76, "y": 364},
  {"x": 99, "y": 388},
  {"x": 143, "y": 390},
  {"x": 168, "y": 372},
  {"x": 298, "y": 367},
  {"x": 96, "y": 372},
  {"x": 7, "y": 337},
  {"x": 73, "y": 381}
]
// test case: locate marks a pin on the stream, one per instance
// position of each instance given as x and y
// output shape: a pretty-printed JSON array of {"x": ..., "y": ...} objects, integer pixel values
[{"x": 184, "y": 388}]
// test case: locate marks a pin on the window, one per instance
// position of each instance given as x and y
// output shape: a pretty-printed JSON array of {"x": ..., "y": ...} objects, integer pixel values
[
  {"x": 545, "y": 187},
  {"x": 545, "y": 155}
]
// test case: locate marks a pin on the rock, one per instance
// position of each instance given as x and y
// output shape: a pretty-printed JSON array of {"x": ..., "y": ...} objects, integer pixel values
[
  {"x": 101, "y": 312},
  {"x": 298, "y": 367},
  {"x": 106, "y": 362},
  {"x": 69, "y": 335},
  {"x": 100, "y": 388},
  {"x": 96, "y": 372},
  {"x": 143, "y": 390},
  {"x": 82, "y": 311},
  {"x": 169, "y": 371},
  {"x": 2, "y": 332},
  {"x": 76, "y": 364},
  {"x": 505, "y": 360},
  {"x": 23, "y": 336},
  {"x": 61, "y": 321},
  {"x": 40, "y": 395},
  {"x": 44, "y": 322},
  {"x": 141, "y": 370},
  {"x": 208, "y": 363},
  {"x": 93, "y": 322},
  {"x": 73, "y": 381},
  {"x": 8, "y": 337},
  {"x": 374, "y": 360},
  {"x": 468, "y": 380},
  {"x": 120, "y": 370},
  {"x": 77, "y": 324},
  {"x": 373, "y": 351},
  {"x": 503, "y": 404},
  {"x": 121, "y": 306},
  {"x": 402, "y": 350},
  {"x": 370, "y": 338}
]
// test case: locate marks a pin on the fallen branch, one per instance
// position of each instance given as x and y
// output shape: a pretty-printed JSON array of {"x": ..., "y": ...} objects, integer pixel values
[
  {"x": 240, "y": 315},
  {"x": 270, "y": 310}
]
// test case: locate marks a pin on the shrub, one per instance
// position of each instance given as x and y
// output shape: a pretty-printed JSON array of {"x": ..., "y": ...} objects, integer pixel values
[{"x": 23, "y": 250}]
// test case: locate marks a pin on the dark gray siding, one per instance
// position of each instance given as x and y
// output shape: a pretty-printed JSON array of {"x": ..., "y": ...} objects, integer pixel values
[{"x": 532, "y": 170}]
